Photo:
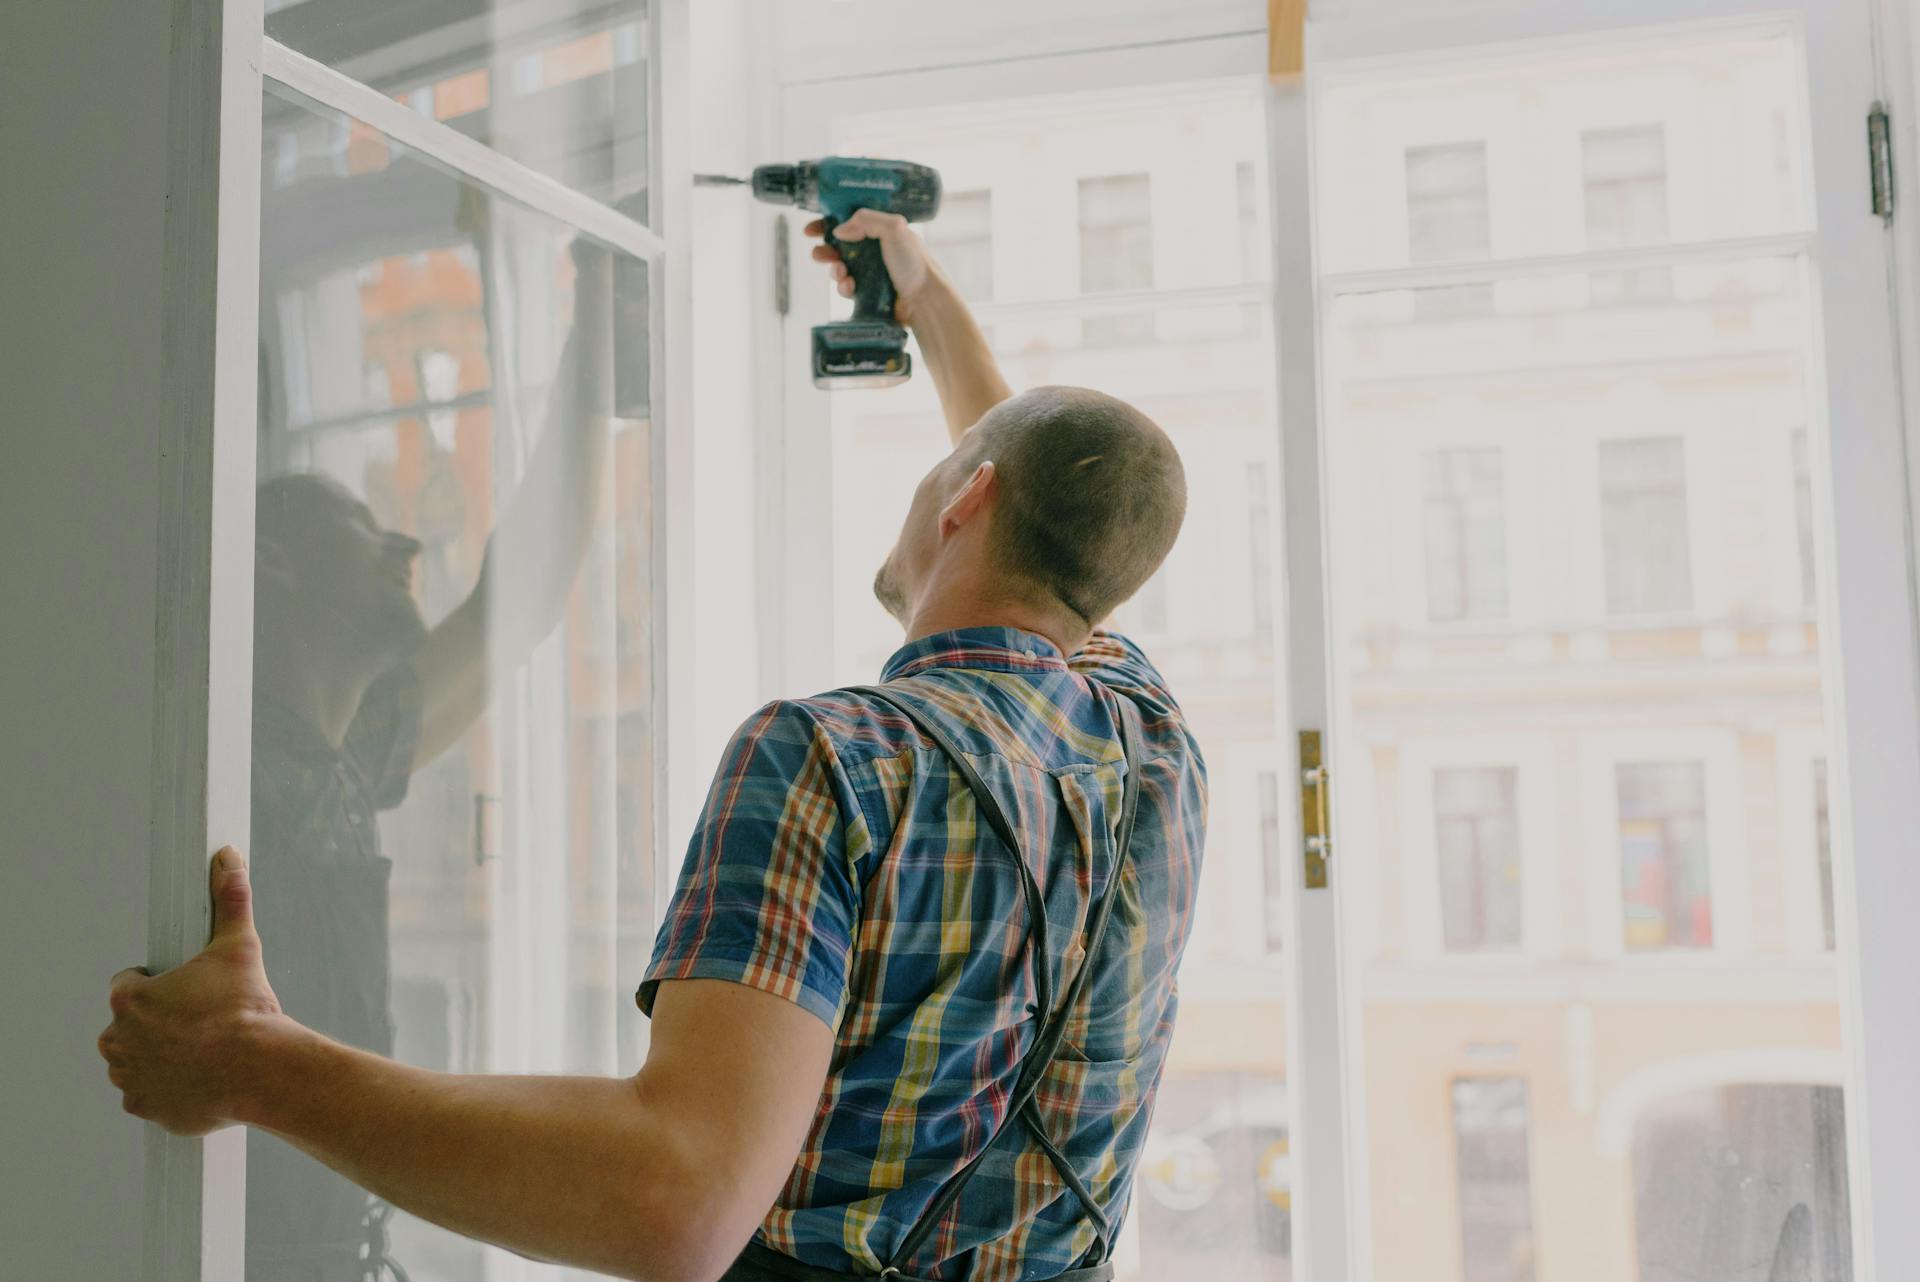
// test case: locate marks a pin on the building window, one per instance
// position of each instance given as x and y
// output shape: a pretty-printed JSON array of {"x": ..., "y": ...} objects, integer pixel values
[
  {"x": 1625, "y": 174},
  {"x": 1273, "y": 868},
  {"x": 1449, "y": 218},
  {"x": 962, "y": 239},
  {"x": 1477, "y": 831},
  {"x": 1803, "y": 512},
  {"x": 1490, "y": 1135},
  {"x": 1116, "y": 253},
  {"x": 1643, "y": 525},
  {"x": 1260, "y": 557},
  {"x": 1664, "y": 873},
  {"x": 1823, "y": 850},
  {"x": 1253, "y": 258},
  {"x": 1466, "y": 535}
]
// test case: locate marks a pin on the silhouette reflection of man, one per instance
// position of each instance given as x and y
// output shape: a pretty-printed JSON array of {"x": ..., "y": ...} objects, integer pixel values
[{"x": 352, "y": 693}]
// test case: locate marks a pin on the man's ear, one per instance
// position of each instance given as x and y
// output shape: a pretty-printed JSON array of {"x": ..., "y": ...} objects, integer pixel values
[{"x": 970, "y": 502}]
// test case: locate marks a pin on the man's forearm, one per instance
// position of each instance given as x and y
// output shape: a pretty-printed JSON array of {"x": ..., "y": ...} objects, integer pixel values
[
  {"x": 573, "y": 1170},
  {"x": 965, "y": 374}
]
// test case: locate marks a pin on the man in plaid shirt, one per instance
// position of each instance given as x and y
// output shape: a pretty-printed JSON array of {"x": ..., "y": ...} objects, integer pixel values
[{"x": 875, "y": 1008}]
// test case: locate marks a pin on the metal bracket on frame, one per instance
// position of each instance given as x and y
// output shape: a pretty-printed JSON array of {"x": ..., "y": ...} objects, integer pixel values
[
  {"x": 1880, "y": 155},
  {"x": 1316, "y": 837}
]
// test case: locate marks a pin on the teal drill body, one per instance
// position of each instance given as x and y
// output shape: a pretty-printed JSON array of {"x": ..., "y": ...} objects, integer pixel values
[{"x": 871, "y": 349}]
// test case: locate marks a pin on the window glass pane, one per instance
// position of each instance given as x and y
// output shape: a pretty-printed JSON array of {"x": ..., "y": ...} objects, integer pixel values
[
  {"x": 1638, "y": 718},
  {"x": 1479, "y": 847},
  {"x": 560, "y": 87},
  {"x": 1496, "y": 1192},
  {"x": 1466, "y": 535},
  {"x": 1643, "y": 518},
  {"x": 453, "y": 769},
  {"x": 1664, "y": 876},
  {"x": 1213, "y": 1196}
]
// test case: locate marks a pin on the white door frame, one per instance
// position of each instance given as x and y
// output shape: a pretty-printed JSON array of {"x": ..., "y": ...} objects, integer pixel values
[{"x": 1867, "y": 605}]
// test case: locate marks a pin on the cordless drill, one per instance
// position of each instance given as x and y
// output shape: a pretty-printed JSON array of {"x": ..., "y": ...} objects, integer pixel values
[{"x": 871, "y": 349}]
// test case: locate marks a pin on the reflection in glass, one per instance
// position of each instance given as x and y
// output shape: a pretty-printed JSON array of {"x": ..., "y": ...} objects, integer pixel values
[
  {"x": 560, "y": 86},
  {"x": 452, "y": 775},
  {"x": 1568, "y": 608}
]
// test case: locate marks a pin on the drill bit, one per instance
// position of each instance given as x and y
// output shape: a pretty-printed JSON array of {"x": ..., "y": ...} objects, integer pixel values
[{"x": 718, "y": 180}]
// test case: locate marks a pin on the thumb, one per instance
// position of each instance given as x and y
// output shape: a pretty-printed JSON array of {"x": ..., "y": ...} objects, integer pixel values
[
  {"x": 868, "y": 224},
  {"x": 232, "y": 896}
]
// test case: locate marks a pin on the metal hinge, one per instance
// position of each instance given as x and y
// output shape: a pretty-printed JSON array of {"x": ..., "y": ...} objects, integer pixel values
[
  {"x": 782, "y": 267},
  {"x": 1316, "y": 836},
  {"x": 1880, "y": 158}
]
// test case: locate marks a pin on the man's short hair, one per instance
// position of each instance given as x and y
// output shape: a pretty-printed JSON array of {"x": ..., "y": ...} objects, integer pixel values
[{"x": 1091, "y": 494}]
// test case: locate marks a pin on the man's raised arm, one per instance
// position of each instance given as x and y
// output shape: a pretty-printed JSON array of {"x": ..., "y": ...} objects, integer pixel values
[{"x": 964, "y": 371}]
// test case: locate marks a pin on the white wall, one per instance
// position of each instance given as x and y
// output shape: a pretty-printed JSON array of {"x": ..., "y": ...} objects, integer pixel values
[
  {"x": 735, "y": 337},
  {"x": 82, "y": 142}
]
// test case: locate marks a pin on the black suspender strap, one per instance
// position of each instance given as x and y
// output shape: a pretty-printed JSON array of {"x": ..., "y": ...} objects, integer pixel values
[{"x": 1053, "y": 1017}]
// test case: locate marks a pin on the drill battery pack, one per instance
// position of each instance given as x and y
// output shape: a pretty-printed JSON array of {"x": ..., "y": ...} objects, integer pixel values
[{"x": 860, "y": 354}]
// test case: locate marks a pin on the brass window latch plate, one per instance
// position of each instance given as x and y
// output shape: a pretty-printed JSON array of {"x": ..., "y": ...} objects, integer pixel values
[{"x": 1316, "y": 837}]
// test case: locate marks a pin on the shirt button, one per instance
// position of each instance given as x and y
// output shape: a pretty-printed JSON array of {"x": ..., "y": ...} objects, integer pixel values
[{"x": 1030, "y": 654}]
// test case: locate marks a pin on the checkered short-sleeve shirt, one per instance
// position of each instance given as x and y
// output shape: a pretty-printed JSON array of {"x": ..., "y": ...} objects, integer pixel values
[{"x": 840, "y": 864}]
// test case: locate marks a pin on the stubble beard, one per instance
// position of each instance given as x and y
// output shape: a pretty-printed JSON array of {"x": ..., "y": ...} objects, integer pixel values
[{"x": 886, "y": 590}]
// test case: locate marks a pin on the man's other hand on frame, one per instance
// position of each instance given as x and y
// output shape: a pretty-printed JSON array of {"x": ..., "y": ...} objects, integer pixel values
[{"x": 171, "y": 1048}]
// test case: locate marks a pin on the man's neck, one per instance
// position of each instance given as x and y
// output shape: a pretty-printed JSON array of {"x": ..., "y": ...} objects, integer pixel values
[{"x": 951, "y": 616}]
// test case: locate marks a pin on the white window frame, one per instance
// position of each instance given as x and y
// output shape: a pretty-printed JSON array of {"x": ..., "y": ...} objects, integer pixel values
[{"x": 222, "y": 60}]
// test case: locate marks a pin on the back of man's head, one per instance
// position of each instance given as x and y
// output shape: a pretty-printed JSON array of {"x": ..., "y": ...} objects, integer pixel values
[{"x": 1091, "y": 495}]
